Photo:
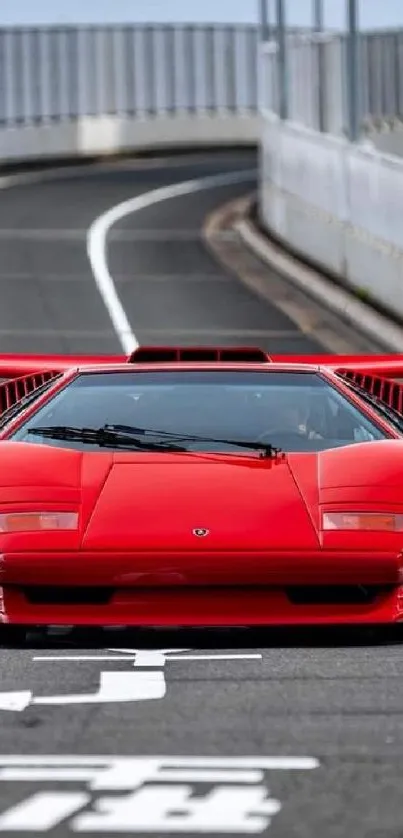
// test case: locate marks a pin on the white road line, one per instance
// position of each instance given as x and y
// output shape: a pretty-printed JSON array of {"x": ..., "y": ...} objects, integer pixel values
[
  {"x": 277, "y": 763},
  {"x": 98, "y": 233},
  {"x": 213, "y": 657},
  {"x": 115, "y": 658}
]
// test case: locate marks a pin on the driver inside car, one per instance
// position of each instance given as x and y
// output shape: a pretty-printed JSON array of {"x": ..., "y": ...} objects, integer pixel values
[{"x": 286, "y": 413}]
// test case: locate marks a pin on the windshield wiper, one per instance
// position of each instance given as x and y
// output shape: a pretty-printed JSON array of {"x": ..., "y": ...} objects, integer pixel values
[
  {"x": 265, "y": 449},
  {"x": 126, "y": 436},
  {"x": 104, "y": 437}
]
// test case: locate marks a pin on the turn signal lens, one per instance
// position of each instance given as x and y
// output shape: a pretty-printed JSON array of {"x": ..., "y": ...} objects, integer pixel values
[
  {"x": 375, "y": 521},
  {"x": 37, "y": 521}
]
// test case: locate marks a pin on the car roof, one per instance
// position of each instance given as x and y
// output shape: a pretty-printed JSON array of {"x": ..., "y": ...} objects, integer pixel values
[{"x": 200, "y": 366}]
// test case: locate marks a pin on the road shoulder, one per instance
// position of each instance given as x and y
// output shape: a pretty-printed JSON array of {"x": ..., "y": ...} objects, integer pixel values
[{"x": 320, "y": 308}]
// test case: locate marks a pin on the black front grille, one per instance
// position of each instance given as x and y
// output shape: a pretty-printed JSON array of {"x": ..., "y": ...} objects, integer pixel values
[
  {"x": 44, "y": 595},
  {"x": 297, "y": 594},
  {"x": 334, "y": 594}
]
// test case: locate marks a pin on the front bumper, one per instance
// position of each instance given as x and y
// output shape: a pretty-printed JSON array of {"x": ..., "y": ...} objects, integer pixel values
[
  {"x": 208, "y": 589},
  {"x": 275, "y": 606},
  {"x": 156, "y": 569},
  {"x": 211, "y": 607}
]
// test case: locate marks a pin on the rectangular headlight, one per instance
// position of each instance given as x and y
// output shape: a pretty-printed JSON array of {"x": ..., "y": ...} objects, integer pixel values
[
  {"x": 375, "y": 521},
  {"x": 37, "y": 521}
]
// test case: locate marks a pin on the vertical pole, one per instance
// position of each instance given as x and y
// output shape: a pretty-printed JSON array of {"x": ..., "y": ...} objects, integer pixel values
[
  {"x": 264, "y": 20},
  {"x": 282, "y": 58},
  {"x": 318, "y": 21},
  {"x": 318, "y": 15},
  {"x": 353, "y": 71}
]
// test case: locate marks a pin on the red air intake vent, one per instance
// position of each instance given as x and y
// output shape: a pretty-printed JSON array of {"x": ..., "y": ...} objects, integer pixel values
[
  {"x": 389, "y": 392},
  {"x": 208, "y": 354},
  {"x": 12, "y": 392}
]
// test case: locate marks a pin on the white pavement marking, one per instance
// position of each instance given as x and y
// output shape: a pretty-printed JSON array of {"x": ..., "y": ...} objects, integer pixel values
[
  {"x": 61, "y": 658},
  {"x": 152, "y": 794},
  {"x": 116, "y": 687},
  {"x": 43, "y": 811},
  {"x": 213, "y": 657},
  {"x": 175, "y": 809},
  {"x": 102, "y": 768},
  {"x": 17, "y": 701},
  {"x": 99, "y": 230}
]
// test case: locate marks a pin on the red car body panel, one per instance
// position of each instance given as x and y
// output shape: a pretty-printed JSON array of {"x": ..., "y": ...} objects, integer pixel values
[
  {"x": 134, "y": 558},
  {"x": 236, "y": 606}
]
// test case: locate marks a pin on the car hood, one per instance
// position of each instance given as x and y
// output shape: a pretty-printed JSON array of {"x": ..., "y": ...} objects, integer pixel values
[
  {"x": 153, "y": 501},
  {"x": 242, "y": 502}
]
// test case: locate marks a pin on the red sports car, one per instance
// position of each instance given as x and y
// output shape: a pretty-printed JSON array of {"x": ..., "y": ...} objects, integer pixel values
[{"x": 201, "y": 487}]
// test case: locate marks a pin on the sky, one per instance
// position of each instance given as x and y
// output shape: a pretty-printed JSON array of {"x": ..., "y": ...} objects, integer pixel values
[{"x": 373, "y": 13}]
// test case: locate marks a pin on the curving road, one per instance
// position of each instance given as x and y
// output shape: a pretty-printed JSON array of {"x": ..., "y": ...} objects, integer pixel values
[
  {"x": 252, "y": 732},
  {"x": 170, "y": 287}
]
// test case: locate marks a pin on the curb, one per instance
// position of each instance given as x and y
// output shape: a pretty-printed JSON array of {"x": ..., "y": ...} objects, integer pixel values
[{"x": 356, "y": 313}]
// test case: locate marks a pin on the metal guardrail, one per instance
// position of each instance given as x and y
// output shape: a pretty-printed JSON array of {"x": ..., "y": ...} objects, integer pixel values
[
  {"x": 317, "y": 80},
  {"x": 53, "y": 75}
]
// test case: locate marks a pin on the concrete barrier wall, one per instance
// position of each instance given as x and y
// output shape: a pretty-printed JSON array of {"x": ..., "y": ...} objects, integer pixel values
[
  {"x": 336, "y": 204},
  {"x": 104, "y": 135},
  {"x": 388, "y": 138}
]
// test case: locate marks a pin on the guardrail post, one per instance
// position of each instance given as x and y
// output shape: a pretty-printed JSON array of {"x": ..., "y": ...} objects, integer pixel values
[
  {"x": 282, "y": 58},
  {"x": 264, "y": 20},
  {"x": 318, "y": 15},
  {"x": 353, "y": 82},
  {"x": 318, "y": 23}
]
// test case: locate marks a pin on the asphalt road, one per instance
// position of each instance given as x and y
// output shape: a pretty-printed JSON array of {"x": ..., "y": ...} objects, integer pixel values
[{"x": 319, "y": 718}]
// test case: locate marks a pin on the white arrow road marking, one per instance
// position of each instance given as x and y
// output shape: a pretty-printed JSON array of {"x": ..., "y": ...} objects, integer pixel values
[
  {"x": 214, "y": 657},
  {"x": 116, "y": 687},
  {"x": 16, "y": 701},
  {"x": 148, "y": 657},
  {"x": 146, "y": 660}
]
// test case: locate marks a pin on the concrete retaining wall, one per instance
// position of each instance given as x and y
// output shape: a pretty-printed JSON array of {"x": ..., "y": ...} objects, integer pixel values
[
  {"x": 336, "y": 204},
  {"x": 103, "y": 135}
]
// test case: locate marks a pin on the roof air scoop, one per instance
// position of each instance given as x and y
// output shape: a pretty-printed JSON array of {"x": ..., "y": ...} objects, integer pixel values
[{"x": 204, "y": 354}]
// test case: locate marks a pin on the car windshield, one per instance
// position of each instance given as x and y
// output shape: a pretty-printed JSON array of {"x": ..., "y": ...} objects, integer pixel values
[{"x": 295, "y": 411}]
